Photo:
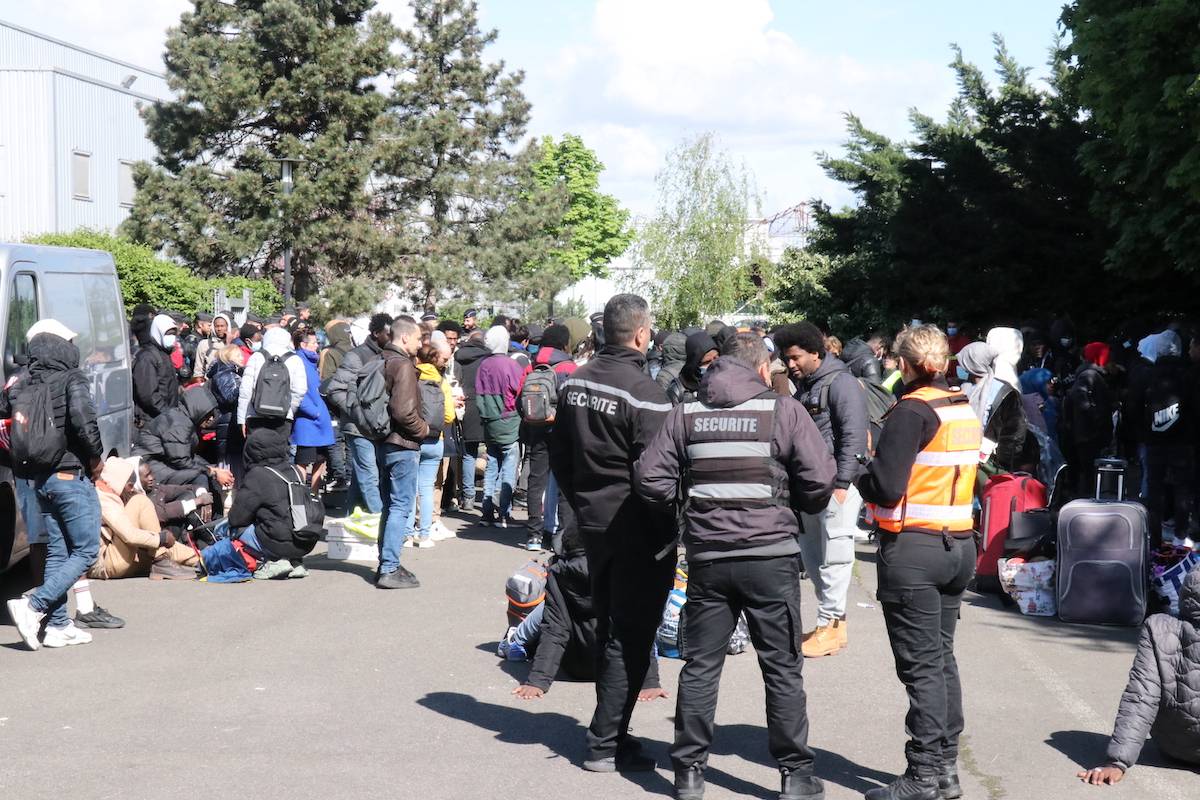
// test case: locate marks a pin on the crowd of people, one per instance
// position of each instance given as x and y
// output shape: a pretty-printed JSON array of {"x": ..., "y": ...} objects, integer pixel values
[{"x": 752, "y": 451}]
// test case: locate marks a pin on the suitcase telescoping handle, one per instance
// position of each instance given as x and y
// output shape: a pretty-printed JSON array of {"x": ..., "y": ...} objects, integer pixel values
[{"x": 1107, "y": 466}]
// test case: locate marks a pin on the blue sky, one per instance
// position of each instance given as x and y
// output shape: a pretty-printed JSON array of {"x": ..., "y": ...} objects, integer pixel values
[{"x": 634, "y": 77}]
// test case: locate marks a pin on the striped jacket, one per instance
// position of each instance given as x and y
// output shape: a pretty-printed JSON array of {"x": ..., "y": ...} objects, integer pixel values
[
  {"x": 742, "y": 460},
  {"x": 608, "y": 410}
]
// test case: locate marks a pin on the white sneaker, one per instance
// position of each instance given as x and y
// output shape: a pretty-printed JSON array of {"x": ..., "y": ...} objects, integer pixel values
[
  {"x": 27, "y": 621},
  {"x": 65, "y": 637},
  {"x": 410, "y": 541},
  {"x": 424, "y": 543},
  {"x": 438, "y": 532}
]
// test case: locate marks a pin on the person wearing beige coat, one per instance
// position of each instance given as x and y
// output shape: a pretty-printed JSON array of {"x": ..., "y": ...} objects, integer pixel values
[{"x": 132, "y": 543}]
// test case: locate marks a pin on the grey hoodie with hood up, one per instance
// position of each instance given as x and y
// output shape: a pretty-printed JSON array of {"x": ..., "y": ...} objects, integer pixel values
[{"x": 1162, "y": 698}]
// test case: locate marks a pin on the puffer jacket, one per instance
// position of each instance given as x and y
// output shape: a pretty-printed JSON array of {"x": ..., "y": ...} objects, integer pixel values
[
  {"x": 838, "y": 405},
  {"x": 728, "y": 528},
  {"x": 674, "y": 354},
  {"x": 155, "y": 382},
  {"x": 168, "y": 444},
  {"x": 1162, "y": 698},
  {"x": 861, "y": 360},
  {"x": 264, "y": 497},
  {"x": 55, "y": 361}
]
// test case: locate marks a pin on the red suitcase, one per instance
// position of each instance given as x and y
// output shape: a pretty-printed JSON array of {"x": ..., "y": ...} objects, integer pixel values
[{"x": 1003, "y": 496}]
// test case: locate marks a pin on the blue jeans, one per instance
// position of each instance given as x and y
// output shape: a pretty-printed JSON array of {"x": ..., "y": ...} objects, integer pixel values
[
  {"x": 469, "y": 456},
  {"x": 550, "y": 506},
  {"x": 364, "y": 469},
  {"x": 431, "y": 459},
  {"x": 70, "y": 510},
  {"x": 500, "y": 478},
  {"x": 398, "y": 473},
  {"x": 530, "y": 629}
]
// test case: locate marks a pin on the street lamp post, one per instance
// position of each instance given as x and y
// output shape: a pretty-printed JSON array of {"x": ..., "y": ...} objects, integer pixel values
[{"x": 286, "y": 165}]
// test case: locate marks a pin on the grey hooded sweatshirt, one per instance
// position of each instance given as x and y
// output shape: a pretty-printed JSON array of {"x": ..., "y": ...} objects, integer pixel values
[
  {"x": 729, "y": 393},
  {"x": 1162, "y": 698}
]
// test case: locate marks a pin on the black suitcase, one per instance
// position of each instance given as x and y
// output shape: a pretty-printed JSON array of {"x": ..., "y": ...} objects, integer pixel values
[{"x": 1103, "y": 557}]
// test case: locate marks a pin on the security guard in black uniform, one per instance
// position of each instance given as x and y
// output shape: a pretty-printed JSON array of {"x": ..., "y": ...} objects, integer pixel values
[
  {"x": 742, "y": 459},
  {"x": 607, "y": 411}
]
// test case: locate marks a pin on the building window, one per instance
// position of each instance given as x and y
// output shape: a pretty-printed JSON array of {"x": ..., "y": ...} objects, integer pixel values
[
  {"x": 125, "y": 187},
  {"x": 81, "y": 178}
]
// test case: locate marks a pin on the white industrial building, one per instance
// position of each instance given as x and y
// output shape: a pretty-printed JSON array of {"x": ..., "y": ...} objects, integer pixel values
[{"x": 70, "y": 133}]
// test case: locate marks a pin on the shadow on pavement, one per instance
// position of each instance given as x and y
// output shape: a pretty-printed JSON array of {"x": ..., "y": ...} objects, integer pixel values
[
  {"x": 512, "y": 725},
  {"x": 325, "y": 564},
  {"x": 1087, "y": 749},
  {"x": 1103, "y": 638},
  {"x": 750, "y": 742}
]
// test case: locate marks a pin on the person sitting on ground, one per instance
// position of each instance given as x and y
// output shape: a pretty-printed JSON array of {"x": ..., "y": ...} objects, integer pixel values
[
  {"x": 701, "y": 350},
  {"x": 132, "y": 542},
  {"x": 1158, "y": 702},
  {"x": 261, "y": 514},
  {"x": 169, "y": 443},
  {"x": 172, "y": 502},
  {"x": 563, "y": 628}
]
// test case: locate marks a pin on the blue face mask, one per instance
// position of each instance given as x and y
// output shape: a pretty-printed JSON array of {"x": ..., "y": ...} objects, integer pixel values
[
  {"x": 952, "y": 331},
  {"x": 703, "y": 369},
  {"x": 963, "y": 375}
]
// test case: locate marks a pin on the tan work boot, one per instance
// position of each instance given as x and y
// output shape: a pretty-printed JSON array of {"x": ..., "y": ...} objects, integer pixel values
[
  {"x": 843, "y": 635},
  {"x": 823, "y": 641}
]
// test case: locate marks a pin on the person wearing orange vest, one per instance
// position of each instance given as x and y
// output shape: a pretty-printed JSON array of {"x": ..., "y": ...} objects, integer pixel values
[{"x": 920, "y": 485}]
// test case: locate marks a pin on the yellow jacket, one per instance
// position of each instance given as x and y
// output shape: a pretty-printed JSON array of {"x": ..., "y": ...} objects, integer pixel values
[{"x": 428, "y": 372}]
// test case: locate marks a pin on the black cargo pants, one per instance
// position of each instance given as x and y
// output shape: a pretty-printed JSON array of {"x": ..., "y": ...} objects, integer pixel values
[
  {"x": 921, "y": 581},
  {"x": 768, "y": 591},
  {"x": 629, "y": 590}
]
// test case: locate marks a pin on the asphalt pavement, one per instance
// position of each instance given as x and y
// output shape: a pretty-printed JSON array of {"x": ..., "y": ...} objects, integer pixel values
[{"x": 328, "y": 688}]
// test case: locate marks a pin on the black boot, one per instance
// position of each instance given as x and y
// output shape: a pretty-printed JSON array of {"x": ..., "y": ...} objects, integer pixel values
[
  {"x": 907, "y": 787},
  {"x": 948, "y": 783},
  {"x": 794, "y": 786},
  {"x": 689, "y": 783}
]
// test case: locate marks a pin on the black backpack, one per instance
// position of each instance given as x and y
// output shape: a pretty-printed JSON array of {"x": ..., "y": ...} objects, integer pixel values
[
  {"x": 308, "y": 511},
  {"x": 368, "y": 401},
  {"x": 273, "y": 389},
  {"x": 37, "y": 444},
  {"x": 433, "y": 407}
]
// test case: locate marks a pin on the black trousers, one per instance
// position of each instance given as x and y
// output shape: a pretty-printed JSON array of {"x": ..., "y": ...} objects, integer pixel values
[
  {"x": 629, "y": 590},
  {"x": 921, "y": 581},
  {"x": 537, "y": 451},
  {"x": 1169, "y": 468},
  {"x": 768, "y": 591}
]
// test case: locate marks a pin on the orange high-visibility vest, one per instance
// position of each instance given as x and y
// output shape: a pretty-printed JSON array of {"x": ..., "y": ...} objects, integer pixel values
[{"x": 941, "y": 486}]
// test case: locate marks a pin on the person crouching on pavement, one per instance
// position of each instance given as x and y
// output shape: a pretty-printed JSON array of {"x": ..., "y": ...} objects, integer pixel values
[
  {"x": 743, "y": 460},
  {"x": 133, "y": 542},
  {"x": 262, "y": 507},
  {"x": 921, "y": 485},
  {"x": 1158, "y": 702}
]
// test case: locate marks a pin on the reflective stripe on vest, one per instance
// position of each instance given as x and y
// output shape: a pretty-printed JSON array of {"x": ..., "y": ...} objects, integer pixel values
[
  {"x": 941, "y": 485},
  {"x": 729, "y": 454}
]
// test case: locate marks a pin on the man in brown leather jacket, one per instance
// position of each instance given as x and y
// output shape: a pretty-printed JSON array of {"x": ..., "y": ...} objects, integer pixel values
[{"x": 400, "y": 452}]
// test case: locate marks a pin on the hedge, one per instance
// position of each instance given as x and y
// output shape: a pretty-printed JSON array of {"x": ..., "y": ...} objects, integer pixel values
[{"x": 146, "y": 278}]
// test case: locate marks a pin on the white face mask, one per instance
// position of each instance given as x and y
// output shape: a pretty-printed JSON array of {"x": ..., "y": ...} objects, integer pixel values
[{"x": 169, "y": 341}]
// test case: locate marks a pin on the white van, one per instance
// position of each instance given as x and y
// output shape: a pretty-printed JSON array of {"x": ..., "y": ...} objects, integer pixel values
[{"x": 79, "y": 288}]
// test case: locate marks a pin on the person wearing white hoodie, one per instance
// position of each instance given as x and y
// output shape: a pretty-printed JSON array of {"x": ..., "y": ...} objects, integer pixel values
[{"x": 276, "y": 342}]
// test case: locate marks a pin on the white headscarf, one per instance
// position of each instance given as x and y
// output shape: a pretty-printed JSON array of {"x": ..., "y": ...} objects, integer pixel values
[
  {"x": 496, "y": 339},
  {"x": 1008, "y": 344}
]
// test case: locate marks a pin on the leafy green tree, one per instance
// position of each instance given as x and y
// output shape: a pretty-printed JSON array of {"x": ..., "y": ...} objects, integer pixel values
[
  {"x": 695, "y": 246},
  {"x": 594, "y": 228},
  {"x": 350, "y": 297},
  {"x": 255, "y": 81},
  {"x": 145, "y": 278},
  {"x": 1135, "y": 69},
  {"x": 465, "y": 211}
]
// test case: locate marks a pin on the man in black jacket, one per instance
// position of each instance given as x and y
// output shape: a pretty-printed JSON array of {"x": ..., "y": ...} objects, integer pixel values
[
  {"x": 607, "y": 413},
  {"x": 741, "y": 461},
  {"x": 168, "y": 444},
  {"x": 70, "y": 509},
  {"x": 364, "y": 456},
  {"x": 468, "y": 358},
  {"x": 264, "y": 502},
  {"x": 837, "y": 403},
  {"x": 155, "y": 383}
]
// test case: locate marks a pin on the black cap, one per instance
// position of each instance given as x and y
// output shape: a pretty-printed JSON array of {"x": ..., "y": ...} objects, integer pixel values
[
  {"x": 202, "y": 316},
  {"x": 429, "y": 316},
  {"x": 471, "y": 312},
  {"x": 535, "y": 333}
]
